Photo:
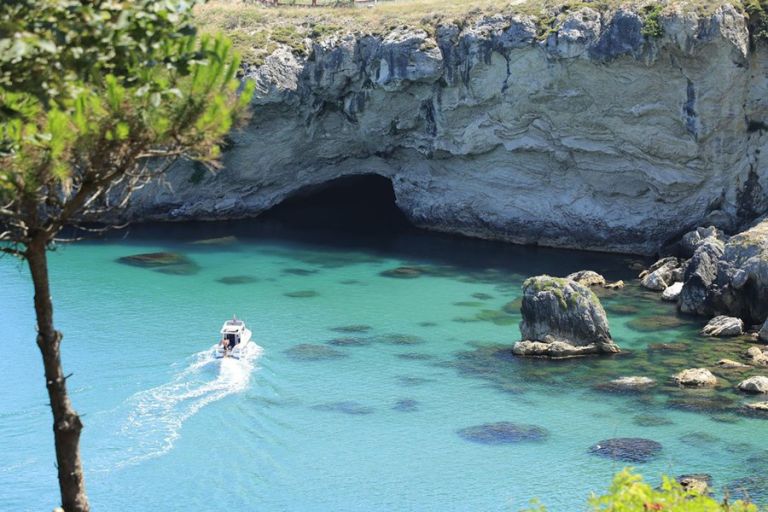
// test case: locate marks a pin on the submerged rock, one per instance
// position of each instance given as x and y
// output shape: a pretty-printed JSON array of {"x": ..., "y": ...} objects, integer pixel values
[
  {"x": 696, "y": 377},
  {"x": 309, "y": 352},
  {"x": 232, "y": 280},
  {"x": 164, "y": 262},
  {"x": 562, "y": 318},
  {"x": 406, "y": 405},
  {"x": 761, "y": 407},
  {"x": 302, "y": 294},
  {"x": 655, "y": 323},
  {"x": 627, "y": 449},
  {"x": 299, "y": 271},
  {"x": 617, "y": 285},
  {"x": 723, "y": 326},
  {"x": 345, "y": 407},
  {"x": 651, "y": 420},
  {"x": 352, "y": 328},
  {"x": 482, "y": 296},
  {"x": 752, "y": 489},
  {"x": 220, "y": 241},
  {"x": 350, "y": 342},
  {"x": 758, "y": 384},
  {"x": 672, "y": 292},
  {"x": 402, "y": 273},
  {"x": 587, "y": 278},
  {"x": 504, "y": 432}
]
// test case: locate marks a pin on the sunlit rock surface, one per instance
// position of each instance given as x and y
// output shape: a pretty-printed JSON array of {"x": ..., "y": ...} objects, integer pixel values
[{"x": 595, "y": 137}]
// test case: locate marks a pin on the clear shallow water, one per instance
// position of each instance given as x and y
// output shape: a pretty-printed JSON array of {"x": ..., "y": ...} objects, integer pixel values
[{"x": 366, "y": 423}]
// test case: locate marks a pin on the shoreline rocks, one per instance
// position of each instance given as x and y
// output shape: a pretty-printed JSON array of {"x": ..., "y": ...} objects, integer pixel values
[
  {"x": 562, "y": 318},
  {"x": 695, "y": 377},
  {"x": 757, "y": 385},
  {"x": 723, "y": 327},
  {"x": 672, "y": 292}
]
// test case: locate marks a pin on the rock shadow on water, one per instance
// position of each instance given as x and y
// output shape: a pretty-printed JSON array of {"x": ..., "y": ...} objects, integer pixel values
[
  {"x": 299, "y": 271},
  {"x": 302, "y": 294},
  {"x": 350, "y": 342},
  {"x": 656, "y": 323},
  {"x": 400, "y": 339},
  {"x": 164, "y": 262},
  {"x": 310, "y": 352},
  {"x": 651, "y": 420},
  {"x": 411, "y": 381},
  {"x": 234, "y": 280},
  {"x": 503, "y": 432},
  {"x": 352, "y": 328},
  {"x": 627, "y": 449},
  {"x": 415, "y": 356},
  {"x": 345, "y": 407},
  {"x": 406, "y": 405}
]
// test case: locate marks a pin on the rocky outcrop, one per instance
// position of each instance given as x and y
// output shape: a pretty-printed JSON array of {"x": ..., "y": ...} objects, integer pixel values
[
  {"x": 591, "y": 136},
  {"x": 730, "y": 278},
  {"x": 562, "y": 318},
  {"x": 723, "y": 327},
  {"x": 694, "y": 239},
  {"x": 762, "y": 335},
  {"x": 696, "y": 377}
]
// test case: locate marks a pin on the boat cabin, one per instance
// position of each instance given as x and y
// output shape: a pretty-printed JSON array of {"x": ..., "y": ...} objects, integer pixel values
[{"x": 231, "y": 333}]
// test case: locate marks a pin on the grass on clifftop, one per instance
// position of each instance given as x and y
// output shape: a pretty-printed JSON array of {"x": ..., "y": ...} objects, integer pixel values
[{"x": 256, "y": 30}]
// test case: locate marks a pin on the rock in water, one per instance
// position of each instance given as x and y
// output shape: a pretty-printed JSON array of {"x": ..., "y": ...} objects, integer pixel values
[
  {"x": 756, "y": 356},
  {"x": 632, "y": 383},
  {"x": 503, "y": 432},
  {"x": 672, "y": 292},
  {"x": 696, "y": 377},
  {"x": 693, "y": 239},
  {"x": 660, "y": 275},
  {"x": 763, "y": 334},
  {"x": 696, "y": 484},
  {"x": 700, "y": 274},
  {"x": 562, "y": 318},
  {"x": 627, "y": 449},
  {"x": 723, "y": 327},
  {"x": 587, "y": 278},
  {"x": 757, "y": 384}
]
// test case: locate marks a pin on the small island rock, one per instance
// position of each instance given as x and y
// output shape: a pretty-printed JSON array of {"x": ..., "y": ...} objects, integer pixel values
[
  {"x": 696, "y": 377},
  {"x": 562, "y": 318}
]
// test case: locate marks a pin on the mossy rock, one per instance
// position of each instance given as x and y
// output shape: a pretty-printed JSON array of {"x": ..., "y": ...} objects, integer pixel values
[
  {"x": 302, "y": 294},
  {"x": 403, "y": 273},
  {"x": 232, "y": 280}
]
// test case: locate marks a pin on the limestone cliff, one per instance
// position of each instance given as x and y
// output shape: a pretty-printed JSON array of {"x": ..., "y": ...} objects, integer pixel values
[{"x": 591, "y": 135}]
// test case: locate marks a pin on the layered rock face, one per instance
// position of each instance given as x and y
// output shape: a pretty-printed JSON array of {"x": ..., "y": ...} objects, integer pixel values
[
  {"x": 590, "y": 135},
  {"x": 562, "y": 318}
]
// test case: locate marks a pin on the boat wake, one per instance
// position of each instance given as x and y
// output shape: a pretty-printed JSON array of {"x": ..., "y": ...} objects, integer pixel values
[{"x": 155, "y": 416}]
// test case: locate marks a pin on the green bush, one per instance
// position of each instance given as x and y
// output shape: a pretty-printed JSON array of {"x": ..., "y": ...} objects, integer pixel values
[
  {"x": 629, "y": 493},
  {"x": 757, "y": 10},
  {"x": 652, "y": 22}
]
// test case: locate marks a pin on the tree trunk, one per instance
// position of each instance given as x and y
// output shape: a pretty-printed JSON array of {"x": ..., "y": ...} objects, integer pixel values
[{"x": 66, "y": 422}]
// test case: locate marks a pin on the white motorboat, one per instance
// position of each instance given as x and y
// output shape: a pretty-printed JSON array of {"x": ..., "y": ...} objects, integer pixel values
[{"x": 235, "y": 337}]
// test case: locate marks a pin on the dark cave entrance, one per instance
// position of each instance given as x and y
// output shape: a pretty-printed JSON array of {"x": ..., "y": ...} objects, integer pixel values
[{"x": 361, "y": 204}]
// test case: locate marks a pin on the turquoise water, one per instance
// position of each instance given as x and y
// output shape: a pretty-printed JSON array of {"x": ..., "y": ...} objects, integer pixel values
[{"x": 368, "y": 423}]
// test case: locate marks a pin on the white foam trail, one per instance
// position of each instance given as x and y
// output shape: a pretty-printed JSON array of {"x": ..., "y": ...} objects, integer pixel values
[{"x": 156, "y": 415}]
